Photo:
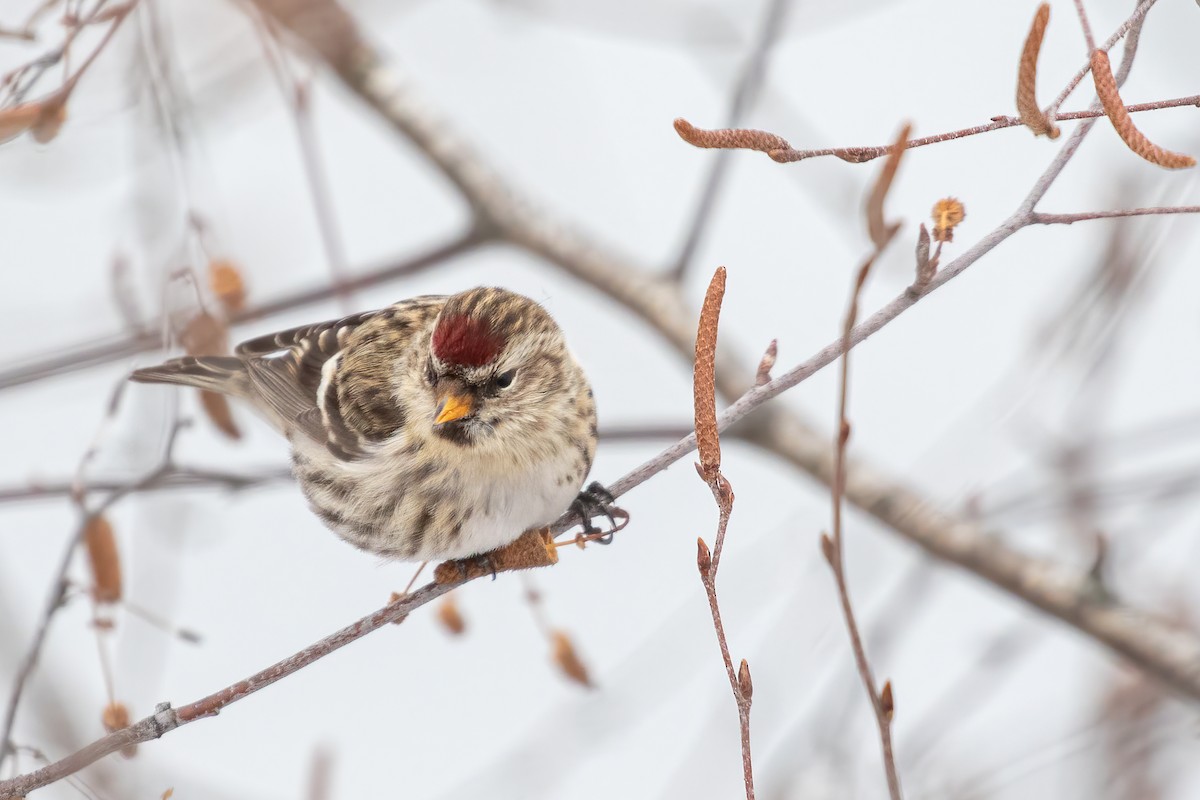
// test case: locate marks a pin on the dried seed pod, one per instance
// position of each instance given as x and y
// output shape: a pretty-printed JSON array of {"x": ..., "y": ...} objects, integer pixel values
[
  {"x": 225, "y": 280},
  {"x": 1027, "y": 105},
  {"x": 947, "y": 214},
  {"x": 115, "y": 717},
  {"x": 1114, "y": 107},
  {"x": 568, "y": 660},
  {"x": 104, "y": 559},
  {"x": 450, "y": 618},
  {"x": 704, "y": 391}
]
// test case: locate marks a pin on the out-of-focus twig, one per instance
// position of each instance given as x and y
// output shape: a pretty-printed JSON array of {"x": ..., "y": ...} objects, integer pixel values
[
  {"x": 832, "y": 547},
  {"x": 747, "y": 87}
]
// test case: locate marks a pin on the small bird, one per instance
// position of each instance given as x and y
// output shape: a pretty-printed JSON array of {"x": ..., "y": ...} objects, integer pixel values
[{"x": 441, "y": 427}]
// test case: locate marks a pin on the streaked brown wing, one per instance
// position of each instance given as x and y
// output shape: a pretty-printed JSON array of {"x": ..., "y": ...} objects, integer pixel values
[{"x": 285, "y": 370}]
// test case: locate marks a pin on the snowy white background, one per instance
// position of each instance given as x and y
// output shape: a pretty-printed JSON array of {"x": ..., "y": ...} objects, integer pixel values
[{"x": 574, "y": 102}]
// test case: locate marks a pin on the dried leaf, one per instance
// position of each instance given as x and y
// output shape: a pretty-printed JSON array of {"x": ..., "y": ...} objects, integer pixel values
[
  {"x": 568, "y": 660},
  {"x": 926, "y": 269},
  {"x": 704, "y": 378},
  {"x": 730, "y": 138},
  {"x": 104, "y": 559},
  {"x": 947, "y": 214},
  {"x": 880, "y": 232},
  {"x": 50, "y": 121},
  {"x": 1114, "y": 107},
  {"x": 745, "y": 685},
  {"x": 886, "y": 702},
  {"x": 703, "y": 557},
  {"x": 450, "y": 618},
  {"x": 216, "y": 408},
  {"x": 767, "y": 363},
  {"x": 225, "y": 280},
  {"x": 205, "y": 335},
  {"x": 15, "y": 120},
  {"x": 1027, "y": 105},
  {"x": 168, "y": 794}
]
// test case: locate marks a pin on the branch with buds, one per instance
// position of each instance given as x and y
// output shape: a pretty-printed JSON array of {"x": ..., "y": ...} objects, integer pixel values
[{"x": 708, "y": 443}]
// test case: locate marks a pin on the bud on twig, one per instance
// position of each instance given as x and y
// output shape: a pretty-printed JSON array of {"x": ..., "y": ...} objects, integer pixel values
[
  {"x": 703, "y": 557},
  {"x": 926, "y": 268},
  {"x": 828, "y": 550},
  {"x": 768, "y": 361},
  {"x": 745, "y": 685},
  {"x": 886, "y": 702}
]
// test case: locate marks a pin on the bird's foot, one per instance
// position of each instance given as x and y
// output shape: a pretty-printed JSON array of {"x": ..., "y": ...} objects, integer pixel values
[
  {"x": 596, "y": 501},
  {"x": 533, "y": 548}
]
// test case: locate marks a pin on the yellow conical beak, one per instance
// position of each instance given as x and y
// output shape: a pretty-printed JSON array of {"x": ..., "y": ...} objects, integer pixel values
[{"x": 452, "y": 407}]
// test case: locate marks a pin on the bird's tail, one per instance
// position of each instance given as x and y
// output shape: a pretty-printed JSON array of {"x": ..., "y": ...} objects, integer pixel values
[{"x": 222, "y": 374}]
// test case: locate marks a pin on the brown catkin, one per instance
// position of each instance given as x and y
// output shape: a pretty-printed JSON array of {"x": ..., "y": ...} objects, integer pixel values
[
  {"x": 704, "y": 390},
  {"x": 730, "y": 138},
  {"x": 1114, "y": 107},
  {"x": 1027, "y": 104}
]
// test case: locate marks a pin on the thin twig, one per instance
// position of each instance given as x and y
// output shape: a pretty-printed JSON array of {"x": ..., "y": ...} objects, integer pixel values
[
  {"x": 123, "y": 347},
  {"x": 1040, "y": 218},
  {"x": 59, "y": 589},
  {"x": 753, "y": 74},
  {"x": 1087, "y": 26},
  {"x": 1133, "y": 23},
  {"x": 834, "y": 549},
  {"x": 166, "y": 718},
  {"x": 858, "y": 155}
]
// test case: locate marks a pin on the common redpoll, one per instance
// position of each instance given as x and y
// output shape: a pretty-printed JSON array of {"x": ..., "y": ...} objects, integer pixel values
[{"x": 440, "y": 427}]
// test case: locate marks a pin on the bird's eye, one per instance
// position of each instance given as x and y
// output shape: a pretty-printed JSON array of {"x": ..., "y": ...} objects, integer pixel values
[
  {"x": 505, "y": 379},
  {"x": 430, "y": 375}
]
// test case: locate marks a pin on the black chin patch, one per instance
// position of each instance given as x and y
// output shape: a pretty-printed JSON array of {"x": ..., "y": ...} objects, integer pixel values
[{"x": 456, "y": 432}]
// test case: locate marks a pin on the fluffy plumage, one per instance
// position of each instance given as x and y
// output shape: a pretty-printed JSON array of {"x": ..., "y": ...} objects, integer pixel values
[{"x": 439, "y": 427}]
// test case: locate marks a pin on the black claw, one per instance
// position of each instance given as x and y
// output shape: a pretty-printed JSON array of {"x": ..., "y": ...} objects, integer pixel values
[
  {"x": 485, "y": 562},
  {"x": 597, "y": 501}
]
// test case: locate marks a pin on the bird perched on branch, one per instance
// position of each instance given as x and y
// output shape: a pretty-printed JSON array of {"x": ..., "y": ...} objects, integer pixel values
[{"x": 441, "y": 427}]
